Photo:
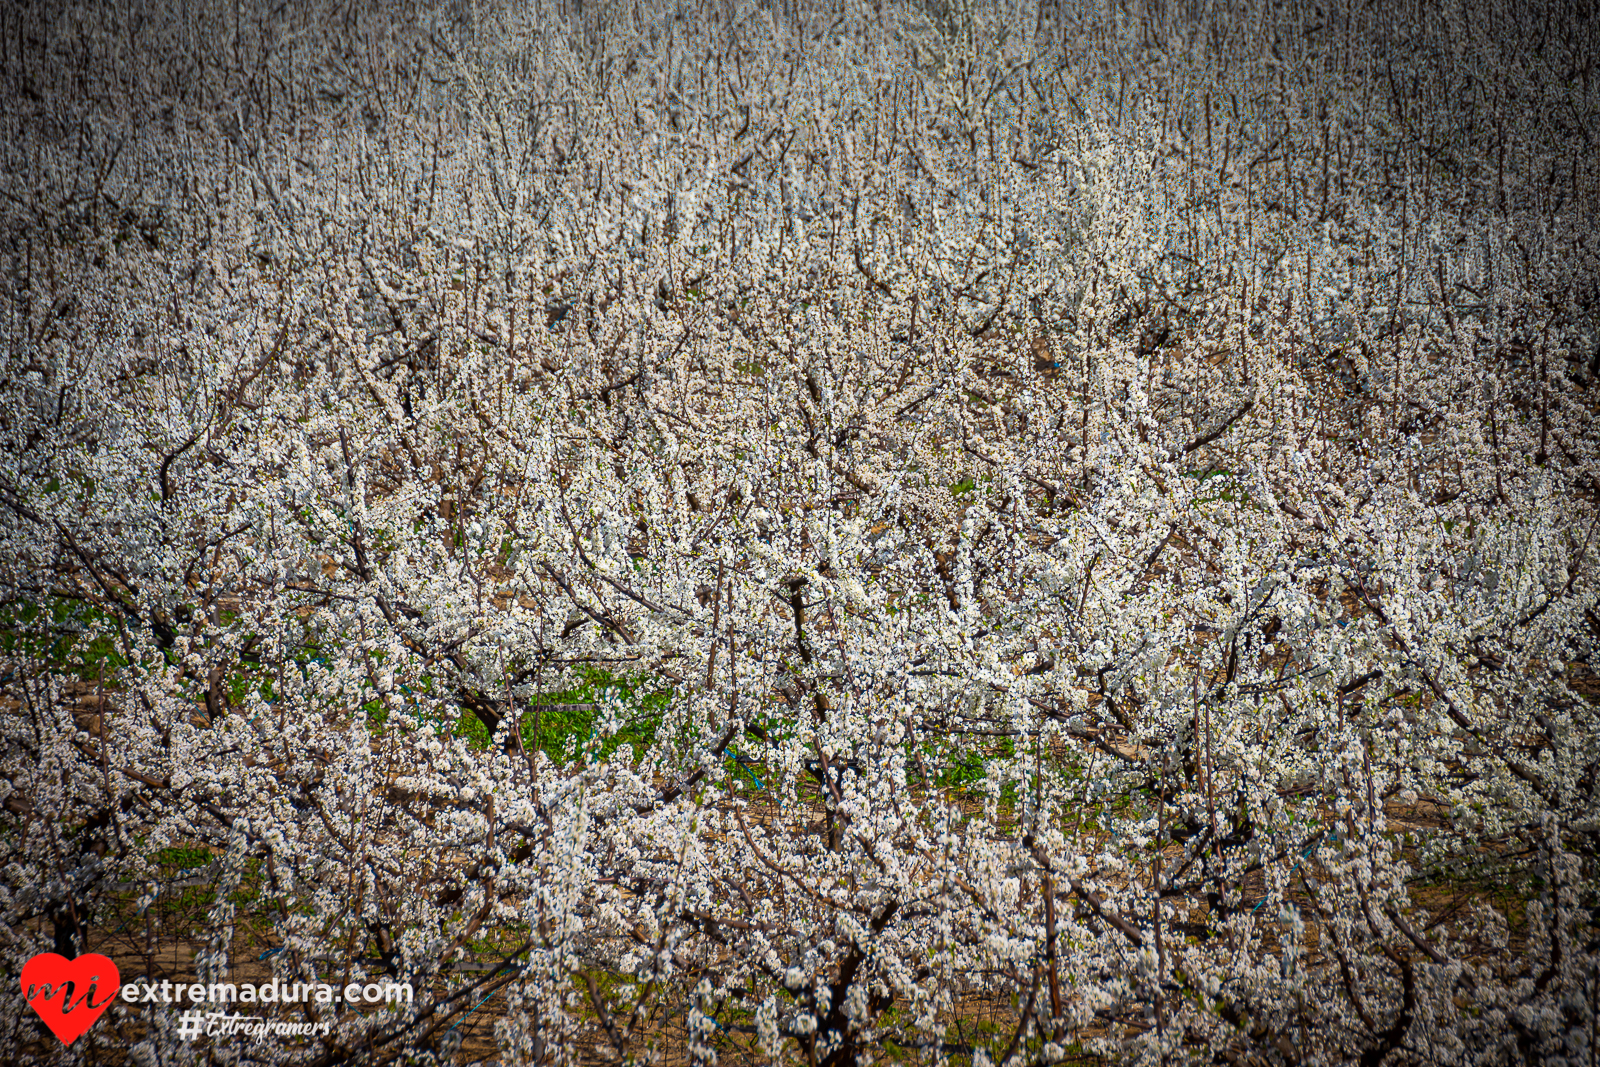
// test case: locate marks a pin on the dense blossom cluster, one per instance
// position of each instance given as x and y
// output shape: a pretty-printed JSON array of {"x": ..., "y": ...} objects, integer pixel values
[{"x": 1090, "y": 509}]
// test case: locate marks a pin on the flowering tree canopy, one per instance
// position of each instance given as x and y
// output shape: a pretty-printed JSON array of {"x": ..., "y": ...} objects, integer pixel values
[{"x": 986, "y": 534}]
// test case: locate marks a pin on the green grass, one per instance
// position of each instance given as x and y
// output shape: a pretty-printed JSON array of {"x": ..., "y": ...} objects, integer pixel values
[
  {"x": 181, "y": 857},
  {"x": 73, "y": 638},
  {"x": 562, "y": 735}
]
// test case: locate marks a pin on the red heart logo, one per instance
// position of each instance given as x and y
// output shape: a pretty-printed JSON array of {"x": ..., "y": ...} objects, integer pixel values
[{"x": 64, "y": 991}]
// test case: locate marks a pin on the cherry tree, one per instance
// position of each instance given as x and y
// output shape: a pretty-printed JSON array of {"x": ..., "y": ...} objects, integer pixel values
[{"x": 1073, "y": 528}]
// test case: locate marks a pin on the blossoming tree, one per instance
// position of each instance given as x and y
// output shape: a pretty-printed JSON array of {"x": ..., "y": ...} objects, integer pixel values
[{"x": 1068, "y": 531}]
